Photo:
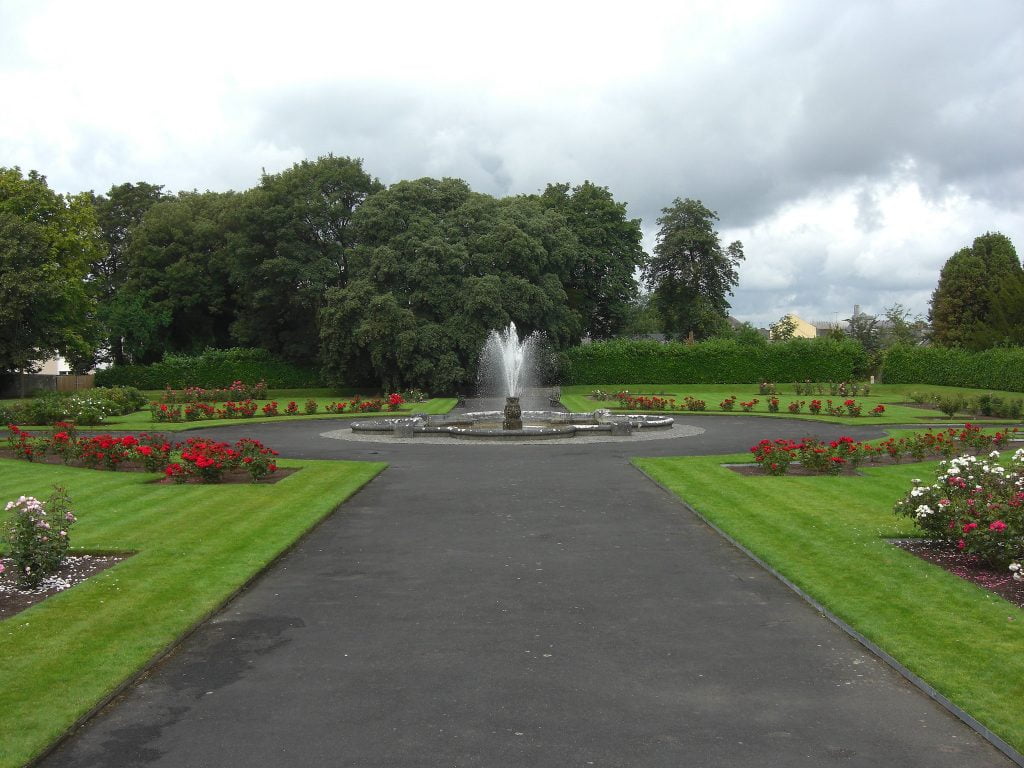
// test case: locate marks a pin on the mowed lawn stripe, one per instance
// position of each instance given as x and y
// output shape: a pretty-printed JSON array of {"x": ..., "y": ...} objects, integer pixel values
[{"x": 195, "y": 547}]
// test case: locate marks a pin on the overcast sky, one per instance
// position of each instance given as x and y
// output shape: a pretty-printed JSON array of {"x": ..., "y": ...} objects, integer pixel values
[{"x": 851, "y": 147}]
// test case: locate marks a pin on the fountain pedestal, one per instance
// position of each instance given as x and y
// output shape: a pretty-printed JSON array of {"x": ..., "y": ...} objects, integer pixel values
[{"x": 513, "y": 414}]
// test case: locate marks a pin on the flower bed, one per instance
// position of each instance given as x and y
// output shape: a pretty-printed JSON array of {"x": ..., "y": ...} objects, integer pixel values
[
  {"x": 848, "y": 407},
  {"x": 776, "y": 457},
  {"x": 201, "y": 410},
  {"x": 196, "y": 460},
  {"x": 975, "y": 504}
]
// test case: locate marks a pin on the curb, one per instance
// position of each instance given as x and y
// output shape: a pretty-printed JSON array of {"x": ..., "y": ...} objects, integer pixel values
[{"x": 912, "y": 678}]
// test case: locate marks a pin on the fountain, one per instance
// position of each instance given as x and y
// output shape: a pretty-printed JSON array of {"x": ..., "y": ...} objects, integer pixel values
[
  {"x": 508, "y": 368},
  {"x": 508, "y": 361}
]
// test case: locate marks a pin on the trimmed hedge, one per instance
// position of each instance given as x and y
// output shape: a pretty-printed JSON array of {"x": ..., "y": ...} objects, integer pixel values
[
  {"x": 213, "y": 368},
  {"x": 1000, "y": 368},
  {"x": 717, "y": 361}
]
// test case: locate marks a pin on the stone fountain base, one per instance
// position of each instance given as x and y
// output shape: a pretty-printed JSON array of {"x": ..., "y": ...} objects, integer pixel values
[{"x": 533, "y": 425}]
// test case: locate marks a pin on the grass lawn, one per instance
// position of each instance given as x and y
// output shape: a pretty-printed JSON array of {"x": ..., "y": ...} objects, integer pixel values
[
  {"x": 142, "y": 421},
  {"x": 576, "y": 398},
  {"x": 196, "y": 546},
  {"x": 826, "y": 535}
]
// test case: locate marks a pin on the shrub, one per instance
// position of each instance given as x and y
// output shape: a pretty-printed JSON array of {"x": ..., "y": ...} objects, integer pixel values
[
  {"x": 214, "y": 368},
  {"x": 38, "y": 536},
  {"x": 255, "y": 458},
  {"x": 975, "y": 505},
  {"x": 728, "y": 404},
  {"x": 796, "y": 406},
  {"x": 774, "y": 456},
  {"x": 712, "y": 361},
  {"x": 311, "y": 406},
  {"x": 951, "y": 404},
  {"x": 999, "y": 368},
  {"x": 395, "y": 401},
  {"x": 773, "y": 404}
]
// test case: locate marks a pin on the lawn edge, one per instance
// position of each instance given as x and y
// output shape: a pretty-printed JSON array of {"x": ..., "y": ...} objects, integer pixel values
[
  {"x": 877, "y": 650},
  {"x": 167, "y": 651}
]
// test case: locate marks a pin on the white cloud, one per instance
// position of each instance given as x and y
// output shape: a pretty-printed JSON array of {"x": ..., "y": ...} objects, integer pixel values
[{"x": 852, "y": 148}]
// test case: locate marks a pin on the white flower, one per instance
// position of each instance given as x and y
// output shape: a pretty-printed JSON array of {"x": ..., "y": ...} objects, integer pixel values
[{"x": 923, "y": 511}]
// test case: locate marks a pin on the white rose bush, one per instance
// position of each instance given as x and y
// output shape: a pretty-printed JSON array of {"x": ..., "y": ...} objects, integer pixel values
[{"x": 975, "y": 504}]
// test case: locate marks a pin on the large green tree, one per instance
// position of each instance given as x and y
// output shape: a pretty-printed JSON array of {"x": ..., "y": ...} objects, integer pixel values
[
  {"x": 118, "y": 213},
  {"x": 437, "y": 267},
  {"x": 962, "y": 304},
  {"x": 690, "y": 274},
  {"x": 177, "y": 294},
  {"x": 294, "y": 242},
  {"x": 47, "y": 242},
  {"x": 600, "y": 280}
]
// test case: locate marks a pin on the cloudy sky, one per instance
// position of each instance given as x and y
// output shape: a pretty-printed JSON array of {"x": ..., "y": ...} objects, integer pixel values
[{"x": 851, "y": 147}]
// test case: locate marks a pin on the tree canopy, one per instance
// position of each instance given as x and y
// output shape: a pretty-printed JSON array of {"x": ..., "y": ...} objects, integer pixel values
[
  {"x": 969, "y": 298},
  {"x": 690, "y": 274},
  {"x": 47, "y": 242}
]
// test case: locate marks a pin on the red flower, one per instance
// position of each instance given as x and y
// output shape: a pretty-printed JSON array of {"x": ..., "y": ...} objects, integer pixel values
[{"x": 999, "y": 526}]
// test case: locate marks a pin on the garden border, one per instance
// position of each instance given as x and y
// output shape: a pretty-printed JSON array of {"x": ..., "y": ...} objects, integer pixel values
[
  {"x": 161, "y": 656},
  {"x": 909, "y": 676}
]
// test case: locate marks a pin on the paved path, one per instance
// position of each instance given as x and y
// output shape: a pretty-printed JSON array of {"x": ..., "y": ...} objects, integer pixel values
[{"x": 493, "y": 606}]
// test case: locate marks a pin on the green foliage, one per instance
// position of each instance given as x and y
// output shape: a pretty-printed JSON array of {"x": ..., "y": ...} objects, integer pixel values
[
  {"x": 213, "y": 368},
  {"x": 46, "y": 244},
  {"x": 690, "y": 274},
  {"x": 599, "y": 278},
  {"x": 783, "y": 329},
  {"x": 118, "y": 213},
  {"x": 37, "y": 536},
  {"x": 437, "y": 268},
  {"x": 294, "y": 242},
  {"x": 983, "y": 516},
  {"x": 962, "y": 304},
  {"x": 177, "y": 296},
  {"x": 87, "y": 407},
  {"x": 999, "y": 368},
  {"x": 713, "y": 361}
]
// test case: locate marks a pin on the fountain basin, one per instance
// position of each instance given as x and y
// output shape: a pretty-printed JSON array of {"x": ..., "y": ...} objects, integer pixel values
[{"x": 537, "y": 425}]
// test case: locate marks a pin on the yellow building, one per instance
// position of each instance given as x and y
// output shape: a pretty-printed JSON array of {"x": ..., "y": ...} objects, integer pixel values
[{"x": 801, "y": 328}]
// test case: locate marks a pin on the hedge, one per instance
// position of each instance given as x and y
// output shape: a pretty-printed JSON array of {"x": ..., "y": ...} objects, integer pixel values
[
  {"x": 718, "y": 361},
  {"x": 212, "y": 368},
  {"x": 1000, "y": 368}
]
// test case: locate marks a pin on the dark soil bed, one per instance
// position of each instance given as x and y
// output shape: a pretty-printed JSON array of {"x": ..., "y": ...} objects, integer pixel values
[
  {"x": 966, "y": 566},
  {"x": 76, "y": 569}
]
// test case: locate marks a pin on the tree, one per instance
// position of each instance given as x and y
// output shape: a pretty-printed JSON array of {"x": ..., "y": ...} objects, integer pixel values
[
  {"x": 118, "y": 213},
  {"x": 46, "y": 243},
  {"x": 641, "y": 317},
  {"x": 177, "y": 295},
  {"x": 690, "y": 274},
  {"x": 294, "y": 241},
  {"x": 783, "y": 329},
  {"x": 599, "y": 280},
  {"x": 961, "y": 306},
  {"x": 901, "y": 327},
  {"x": 1005, "y": 326},
  {"x": 437, "y": 267}
]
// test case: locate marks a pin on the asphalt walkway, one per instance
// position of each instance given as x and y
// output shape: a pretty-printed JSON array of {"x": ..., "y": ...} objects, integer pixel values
[{"x": 494, "y": 605}]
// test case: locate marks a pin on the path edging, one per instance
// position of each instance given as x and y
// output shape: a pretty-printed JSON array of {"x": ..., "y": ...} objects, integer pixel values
[{"x": 912, "y": 678}]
